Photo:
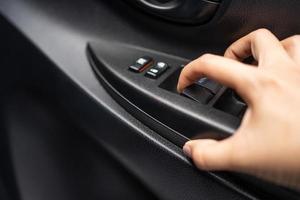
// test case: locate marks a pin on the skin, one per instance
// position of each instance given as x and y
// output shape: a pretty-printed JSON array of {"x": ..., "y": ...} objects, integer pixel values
[{"x": 267, "y": 143}]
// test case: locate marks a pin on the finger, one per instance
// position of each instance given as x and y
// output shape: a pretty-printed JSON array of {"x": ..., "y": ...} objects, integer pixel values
[
  {"x": 210, "y": 154},
  {"x": 292, "y": 46},
  {"x": 228, "y": 72},
  {"x": 260, "y": 44}
]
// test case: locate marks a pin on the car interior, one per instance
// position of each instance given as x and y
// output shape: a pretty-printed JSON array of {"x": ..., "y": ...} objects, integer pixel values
[{"x": 89, "y": 107}]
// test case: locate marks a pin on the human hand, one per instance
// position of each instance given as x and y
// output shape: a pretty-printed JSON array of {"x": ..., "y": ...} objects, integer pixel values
[{"x": 267, "y": 143}]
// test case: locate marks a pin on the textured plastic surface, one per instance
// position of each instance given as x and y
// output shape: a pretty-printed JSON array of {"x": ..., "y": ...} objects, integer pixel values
[
  {"x": 61, "y": 29},
  {"x": 191, "y": 11},
  {"x": 68, "y": 139},
  {"x": 186, "y": 118}
]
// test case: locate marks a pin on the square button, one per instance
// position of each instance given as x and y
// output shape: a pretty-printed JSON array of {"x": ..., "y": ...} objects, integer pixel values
[
  {"x": 142, "y": 61},
  {"x": 157, "y": 70},
  {"x": 198, "y": 93},
  {"x": 141, "y": 64},
  {"x": 211, "y": 85},
  {"x": 161, "y": 65}
]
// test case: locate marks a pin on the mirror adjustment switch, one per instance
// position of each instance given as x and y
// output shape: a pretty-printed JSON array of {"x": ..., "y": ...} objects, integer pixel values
[
  {"x": 211, "y": 85},
  {"x": 141, "y": 64},
  {"x": 198, "y": 93},
  {"x": 157, "y": 70}
]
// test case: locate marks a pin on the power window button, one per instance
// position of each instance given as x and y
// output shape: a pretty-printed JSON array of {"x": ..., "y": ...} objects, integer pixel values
[
  {"x": 211, "y": 85},
  {"x": 198, "y": 93},
  {"x": 157, "y": 70},
  {"x": 141, "y": 64}
]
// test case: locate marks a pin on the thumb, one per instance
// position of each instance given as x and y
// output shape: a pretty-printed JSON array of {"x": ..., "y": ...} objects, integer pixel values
[{"x": 210, "y": 154}]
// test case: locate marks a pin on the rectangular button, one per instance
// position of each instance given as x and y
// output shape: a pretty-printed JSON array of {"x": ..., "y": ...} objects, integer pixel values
[
  {"x": 198, "y": 93},
  {"x": 211, "y": 85},
  {"x": 141, "y": 64},
  {"x": 157, "y": 70}
]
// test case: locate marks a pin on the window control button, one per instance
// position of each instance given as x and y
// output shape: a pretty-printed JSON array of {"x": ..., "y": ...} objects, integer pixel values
[
  {"x": 198, "y": 93},
  {"x": 157, "y": 70},
  {"x": 211, "y": 85},
  {"x": 141, "y": 64},
  {"x": 161, "y": 65}
]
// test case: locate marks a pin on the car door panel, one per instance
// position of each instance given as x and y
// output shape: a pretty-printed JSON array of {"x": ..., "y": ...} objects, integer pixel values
[{"x": 48, "y": 75}]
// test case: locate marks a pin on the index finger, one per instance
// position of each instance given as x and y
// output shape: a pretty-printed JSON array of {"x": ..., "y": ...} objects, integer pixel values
[{"x": 226, "y": 71}]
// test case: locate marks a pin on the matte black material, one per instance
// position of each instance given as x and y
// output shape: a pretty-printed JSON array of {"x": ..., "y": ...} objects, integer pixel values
[
  {"x": 191, "y": 11},
  {"x": 211, "y": 85},
  {"x": 59, "y": 69},
  {"x": 47, "y": 118},
  {"x": 229, "y": 102},
  {"x": 53, "y": 159},
  {"x": 165, "y": 107},
  {"x": 54, "y": 116},
  {"x": 198, "y": 93}
]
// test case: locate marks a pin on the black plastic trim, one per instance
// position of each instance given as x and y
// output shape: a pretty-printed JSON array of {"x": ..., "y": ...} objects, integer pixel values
[
  {"x": 159, "y": 109},
  {"x": 189, "y": 12}
]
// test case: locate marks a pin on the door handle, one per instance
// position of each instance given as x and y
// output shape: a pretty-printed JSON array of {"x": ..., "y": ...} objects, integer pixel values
[
  {"x": 185, "y": 11},
  {"x": 162, "y": 5}
]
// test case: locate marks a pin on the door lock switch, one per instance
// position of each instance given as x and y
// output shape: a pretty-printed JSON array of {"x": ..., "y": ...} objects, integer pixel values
[
  {"x": 141, "y": 64},
  {"x": 157, "y": 70}
]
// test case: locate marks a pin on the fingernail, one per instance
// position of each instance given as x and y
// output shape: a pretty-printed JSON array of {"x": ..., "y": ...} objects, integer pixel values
[{"x": 187, "y": 150}]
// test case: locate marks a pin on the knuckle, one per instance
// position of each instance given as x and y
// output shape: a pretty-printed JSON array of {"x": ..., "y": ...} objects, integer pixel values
[
  {"x": 268, "y": 81},
  {"x": 262, "y": 32},
  {"x": 229, "y": 52},
  {"x": 251, "y": 88},
  {"x": 205, "y": 58},
  {"x": 294, "y": 41}
]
